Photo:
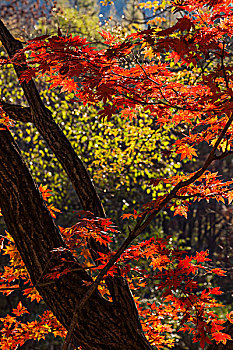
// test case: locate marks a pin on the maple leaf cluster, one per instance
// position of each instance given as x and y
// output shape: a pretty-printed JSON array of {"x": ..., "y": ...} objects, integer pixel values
[
  {"x": 200, "y": 110},
  {"x": 5, "y": 120},
  {"x": 172, "y": 272}
]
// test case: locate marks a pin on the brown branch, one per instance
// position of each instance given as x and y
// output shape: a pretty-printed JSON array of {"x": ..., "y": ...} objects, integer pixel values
[
  {"x": 223, "y": 155},
  {"x": 42, "y": 284},
  {"x": 187, "y": 182},
  {"x": 77, "y": 173},
  {"x": 210, "y": 195},
  {"x": 34, "y": 231},
  {"x": 17, "y": 112},
  {"x": 142, "y": 225},
  {"x": 53, "y": 135},
  {"x": 92, "y": 289},
  {"x": 223, "y": 68},
  {"x": 57, "y": 141}
]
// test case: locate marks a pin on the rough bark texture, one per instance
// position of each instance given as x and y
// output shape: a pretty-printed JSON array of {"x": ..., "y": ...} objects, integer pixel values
[
  {"x": 16, "y": 112},
  {"x": 71, "y": 163},
  {"x": 53, "y": 135},
  {"x": 100, "y": 324}
]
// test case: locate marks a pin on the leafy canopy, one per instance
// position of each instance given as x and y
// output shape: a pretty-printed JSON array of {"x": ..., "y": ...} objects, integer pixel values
[{"x": 132, "y": 76}]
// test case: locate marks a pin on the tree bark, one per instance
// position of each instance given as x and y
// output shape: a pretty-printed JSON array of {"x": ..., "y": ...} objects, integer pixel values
[
  {"x": 16, "y": 112},
  {"x": 53, "y": 135},
  {"x": 71, "y": 163},
  {"x": 100, "y": 324}
]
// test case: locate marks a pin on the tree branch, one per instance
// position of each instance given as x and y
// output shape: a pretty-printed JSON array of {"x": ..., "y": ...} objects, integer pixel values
[
  {"x": 100, "y": 324},
  {"x": 61, "y": 147},
  {"x": 53, "y": 135},
  {"x": 56, "y": 140},
  {"x": 142, "y": 225},
  {"x": 17, "y": 112}
]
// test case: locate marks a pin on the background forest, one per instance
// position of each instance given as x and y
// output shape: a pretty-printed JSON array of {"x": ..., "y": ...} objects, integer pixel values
[{"x": 122, "y": 155}]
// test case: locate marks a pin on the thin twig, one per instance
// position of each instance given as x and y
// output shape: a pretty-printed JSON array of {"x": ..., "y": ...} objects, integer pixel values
[
  {"x": 223, "y": 68},
  {"x": 139, "y": 228},
  {"x": 42, "y": 284}
]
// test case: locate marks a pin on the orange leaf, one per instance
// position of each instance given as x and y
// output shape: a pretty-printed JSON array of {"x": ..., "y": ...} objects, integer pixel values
[
  {"x": 220, "y": 337},
  {"x": 20, "y": 310}
]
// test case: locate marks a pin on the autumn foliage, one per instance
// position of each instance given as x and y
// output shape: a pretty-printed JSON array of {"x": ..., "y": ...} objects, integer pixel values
[
  {"x": 173, "y": 272},
  {"x": 141, "y": 73}
]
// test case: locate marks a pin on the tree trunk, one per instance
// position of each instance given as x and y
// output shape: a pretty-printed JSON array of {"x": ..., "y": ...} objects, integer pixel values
[{"x": 100, "y": 324}]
